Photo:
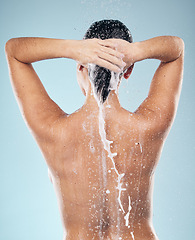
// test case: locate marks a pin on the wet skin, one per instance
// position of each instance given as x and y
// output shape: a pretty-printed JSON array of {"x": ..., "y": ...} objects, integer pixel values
[
  {"x": 79, "y": 167},
  {"x": 82, "y": 172}
]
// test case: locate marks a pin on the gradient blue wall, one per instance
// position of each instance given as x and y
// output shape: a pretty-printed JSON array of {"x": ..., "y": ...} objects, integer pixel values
[{"x": 28, "y": 207}]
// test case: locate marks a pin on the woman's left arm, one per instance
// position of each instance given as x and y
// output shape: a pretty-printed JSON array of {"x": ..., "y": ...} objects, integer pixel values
[{"x": 38, "y": 109}]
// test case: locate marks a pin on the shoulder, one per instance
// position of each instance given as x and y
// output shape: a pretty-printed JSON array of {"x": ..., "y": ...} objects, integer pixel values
[
  {"x": 147, "y": 122},
  {"x": 156, "y": 123},
  {"x": 55, "y": 131},
  {"x": 58, "y": 140}
]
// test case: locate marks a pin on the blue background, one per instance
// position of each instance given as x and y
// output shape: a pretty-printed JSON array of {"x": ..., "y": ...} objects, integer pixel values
[{"x": 28, "y": 206}]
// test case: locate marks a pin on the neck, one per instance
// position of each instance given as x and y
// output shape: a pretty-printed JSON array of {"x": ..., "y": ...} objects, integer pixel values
[{"x": 111, "y": 102}]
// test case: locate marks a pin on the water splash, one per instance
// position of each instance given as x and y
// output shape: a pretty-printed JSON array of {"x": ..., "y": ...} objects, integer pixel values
[
  {"x": 141, "y": 150},
  {"x": 106, "y": 143},
  {"x": 126, "y": 217},
  {"x": 132, "y": 235}
]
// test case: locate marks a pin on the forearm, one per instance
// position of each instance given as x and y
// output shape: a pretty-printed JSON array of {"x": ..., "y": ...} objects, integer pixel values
[
  {"x": 33, "y": 49},
  {"x": 164, "y": 48}
]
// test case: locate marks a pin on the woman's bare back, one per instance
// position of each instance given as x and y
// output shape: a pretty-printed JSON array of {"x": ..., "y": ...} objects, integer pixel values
[{"x": 86, "y": 182}]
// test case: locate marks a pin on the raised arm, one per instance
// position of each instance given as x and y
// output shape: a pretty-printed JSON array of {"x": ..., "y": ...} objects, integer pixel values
[
  {"x": 38, "y": 109},
  {"x": 161, "y": 104},
  {"x": 165, "y": 88}
]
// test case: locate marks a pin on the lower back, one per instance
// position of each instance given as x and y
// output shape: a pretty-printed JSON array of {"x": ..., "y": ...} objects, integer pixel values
[{"x": 143, "y": 232}]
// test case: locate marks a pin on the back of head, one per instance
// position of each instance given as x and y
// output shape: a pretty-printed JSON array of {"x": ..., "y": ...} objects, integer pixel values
[{"x": 99, "y": 76}]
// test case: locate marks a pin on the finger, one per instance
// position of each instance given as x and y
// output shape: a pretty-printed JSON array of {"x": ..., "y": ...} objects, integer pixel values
[
  {"x": 112, "y": 43},
  {"x": 106, "y": 64},
  {"x": 113, "y": 59},
  {"x": 112, "y": 52}
]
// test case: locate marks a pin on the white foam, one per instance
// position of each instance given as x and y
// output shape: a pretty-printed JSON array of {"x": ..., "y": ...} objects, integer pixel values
[
  {"x": 114, "y": 81},
  {"x": 106, "y": 143},
  {"x": 126, "y": 217},
  {"x": 132, "y": 235}
]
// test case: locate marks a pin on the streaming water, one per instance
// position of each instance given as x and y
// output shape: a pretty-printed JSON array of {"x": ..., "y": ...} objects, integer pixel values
[{"x": 106, "y": 143}]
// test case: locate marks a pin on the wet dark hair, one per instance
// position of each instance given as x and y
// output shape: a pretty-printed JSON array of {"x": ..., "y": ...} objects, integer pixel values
[{"x": 105, "y": 29}]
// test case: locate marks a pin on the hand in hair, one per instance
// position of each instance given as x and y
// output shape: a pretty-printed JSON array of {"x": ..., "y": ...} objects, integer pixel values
[
  {"x": 129, "y": 50},
  {"x": 94, "y": 51}
]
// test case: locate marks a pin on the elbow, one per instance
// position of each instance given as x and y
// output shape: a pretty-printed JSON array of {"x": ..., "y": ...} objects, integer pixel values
[
  {"x": 181, "y": 45},
  {"x": 9, "y": 46},
  {"x": 178, "y": 46}
]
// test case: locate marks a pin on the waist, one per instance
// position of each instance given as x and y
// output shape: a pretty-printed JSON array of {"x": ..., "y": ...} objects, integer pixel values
[{"x": 139, "y": 231}]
